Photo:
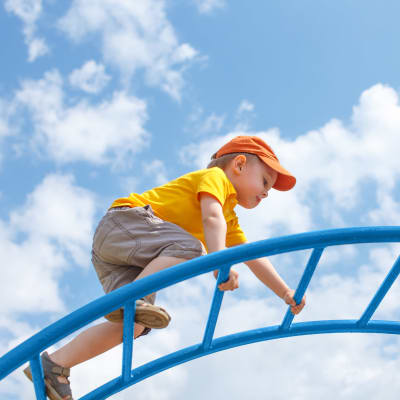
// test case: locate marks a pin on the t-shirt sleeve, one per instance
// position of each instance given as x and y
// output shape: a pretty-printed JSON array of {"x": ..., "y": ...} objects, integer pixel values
[
  {"x": 234, "y": 234},
  {"x": 215, "y": 183}
]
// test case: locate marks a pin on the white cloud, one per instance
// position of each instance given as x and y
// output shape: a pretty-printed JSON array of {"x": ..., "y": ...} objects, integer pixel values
[
  {"x": 37, "y": 48},
  {"x": 244, "y": 115},
  {"x": 108, "y": 132},
  {"x": 91, "y": 77},
  {"x": 331, "y": 165},
  {"x": 5, "y": 128},
  {"x": 53, "y": 225},
  {"x": 29, "y": 11},
  {"x": 213, "y": 123},
  {"x": 199, "y": 124},
  {"x": 135, "y": 35},
  {"x": 55, "y": 220},
  {"x": 388, "y": 211},
  {"x": 156, "y": 169},
  {"x": 245, "y": 106},
  {"x": 54, "y": 210},
  {"x": 208, "y": 6},
  {"x": 129, "y": 184},
  {"x": 32, "y": 264}
]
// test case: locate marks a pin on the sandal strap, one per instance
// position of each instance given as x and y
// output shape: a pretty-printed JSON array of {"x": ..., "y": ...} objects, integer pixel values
[
  {"x": 51, "y": 371},
  {"x": 61, "y": 371}
]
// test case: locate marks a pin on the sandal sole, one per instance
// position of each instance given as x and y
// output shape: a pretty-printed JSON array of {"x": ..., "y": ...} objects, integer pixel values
[{"x": 149, "y": 316}]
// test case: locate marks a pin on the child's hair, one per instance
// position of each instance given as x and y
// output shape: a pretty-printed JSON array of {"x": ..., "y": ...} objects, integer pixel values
[{"x": 224, "y": 160}]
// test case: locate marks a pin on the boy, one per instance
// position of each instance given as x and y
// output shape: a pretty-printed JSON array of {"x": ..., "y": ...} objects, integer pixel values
[{"x": 183, "y": 219}]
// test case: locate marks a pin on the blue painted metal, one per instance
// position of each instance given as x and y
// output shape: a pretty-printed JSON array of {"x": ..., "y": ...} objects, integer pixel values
[
  {"x": 38, "y": 377},
  {"x": 302, "y": 287},
  {"x": 129, "y": 315},
  {"x": 380, "y": 294},
  {"x": 318, "y": 240},
  {"x": 215, "y": 307}
]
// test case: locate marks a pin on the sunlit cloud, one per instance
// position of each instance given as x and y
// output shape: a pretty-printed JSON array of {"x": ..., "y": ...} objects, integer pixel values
[
  {"x": 102, "y": 133},
  {"x": 209, "y": 6},
  {"x": 91, "y": 77},
  {"x": 29, "y": 11},
  {"x": 134, "y": 36}
]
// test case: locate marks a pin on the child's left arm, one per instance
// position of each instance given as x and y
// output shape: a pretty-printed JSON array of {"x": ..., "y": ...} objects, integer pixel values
[{"x": 266, "y": 273}]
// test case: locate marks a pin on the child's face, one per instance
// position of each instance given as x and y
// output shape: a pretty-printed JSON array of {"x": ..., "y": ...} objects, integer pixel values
[{"x": 252, "y": 180}]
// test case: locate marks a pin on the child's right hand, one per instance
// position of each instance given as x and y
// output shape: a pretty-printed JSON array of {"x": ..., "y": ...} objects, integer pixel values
[
  {"x": 232, "y": 283},
  {"x": 289, "y": 299}
]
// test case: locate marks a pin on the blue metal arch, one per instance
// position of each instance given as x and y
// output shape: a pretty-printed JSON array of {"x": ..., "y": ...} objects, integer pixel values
[{"x": 30, "y": 349}]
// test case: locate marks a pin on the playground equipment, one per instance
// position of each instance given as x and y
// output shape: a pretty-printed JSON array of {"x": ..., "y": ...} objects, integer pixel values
[{"x": 126, "y": 296}]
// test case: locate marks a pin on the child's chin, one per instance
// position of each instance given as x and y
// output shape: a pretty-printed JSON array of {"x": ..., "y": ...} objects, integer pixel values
[{"x": 248, "y": 206}]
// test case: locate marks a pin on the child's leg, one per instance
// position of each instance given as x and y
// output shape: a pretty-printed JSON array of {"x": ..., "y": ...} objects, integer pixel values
[
  {"x": 100, "y": 338},
  {"x": 91, "y": 343},
  {"x": 159, "y": 264}
]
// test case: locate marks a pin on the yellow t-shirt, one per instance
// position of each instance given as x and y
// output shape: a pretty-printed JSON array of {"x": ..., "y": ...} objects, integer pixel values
[{"x": 178, "y": 202}]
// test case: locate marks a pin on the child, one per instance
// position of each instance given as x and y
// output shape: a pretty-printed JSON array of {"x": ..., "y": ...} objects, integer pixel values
[{"x": 183, "y": 219}]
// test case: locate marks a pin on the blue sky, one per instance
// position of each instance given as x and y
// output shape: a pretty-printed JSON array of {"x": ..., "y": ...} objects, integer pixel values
[{"x": 102, "y": 98}]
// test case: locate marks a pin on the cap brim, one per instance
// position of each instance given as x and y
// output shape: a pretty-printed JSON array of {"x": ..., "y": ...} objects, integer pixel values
[{"x": 285, "y": 180}]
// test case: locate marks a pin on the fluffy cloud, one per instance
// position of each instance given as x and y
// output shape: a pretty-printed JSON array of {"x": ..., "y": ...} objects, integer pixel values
[
  {"x": 104, "y": 133},
  {"x": 51, "y": 227},
  {"x": 54, "y": 210},
  {"x": 156, "y": 169},
  {"x": 245, "y": 106},
  {"x": 331, "y": 165},
  {"x": 208, "y": 6},
  {"x": 91, "y": 77},
  {"x": 37, "y": 239},
  {"x": 387, "y": 211},
  {"x": 5, "y": 128},
  {"x": 244, "y": 114},
  {"x": 135, "y": 35},
  {"x": 213, "y": 123},
  {"x": 29, "y": 12},
  {"x": 199, "y": 124}
]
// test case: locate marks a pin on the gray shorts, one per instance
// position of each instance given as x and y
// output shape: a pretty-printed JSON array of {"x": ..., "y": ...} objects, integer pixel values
[{"x": 127, "y": 239}]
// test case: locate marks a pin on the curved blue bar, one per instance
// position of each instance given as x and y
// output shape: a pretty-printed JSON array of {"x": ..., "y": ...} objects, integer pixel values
[
  {"x": 241, "y": 339},
  {"x": 381, "y": 293},
  {"x": 317, "y": 240},
  {"x": 304, "y": 282}
]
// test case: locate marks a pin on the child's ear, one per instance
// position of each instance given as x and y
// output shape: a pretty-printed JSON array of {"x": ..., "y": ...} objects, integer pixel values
[{"x": 240, "y": 161}]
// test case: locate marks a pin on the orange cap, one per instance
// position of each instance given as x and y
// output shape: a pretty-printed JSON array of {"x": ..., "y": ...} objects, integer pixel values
[{"x": 255, "y": 145}]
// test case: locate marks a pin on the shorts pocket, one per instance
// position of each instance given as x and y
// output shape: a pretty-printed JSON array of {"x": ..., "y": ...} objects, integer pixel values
[{"x": 114, "y": 244}]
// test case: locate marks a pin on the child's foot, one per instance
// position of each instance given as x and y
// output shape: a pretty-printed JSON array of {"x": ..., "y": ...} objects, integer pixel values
[
  {"x": 55, "y": 379},
  {"x": 147, "y": 314}
]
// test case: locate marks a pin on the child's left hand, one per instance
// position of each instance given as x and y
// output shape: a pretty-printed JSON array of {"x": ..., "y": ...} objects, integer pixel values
[
  {"x": 295, "y": 308},
  {"x": 232, "y": 283}
]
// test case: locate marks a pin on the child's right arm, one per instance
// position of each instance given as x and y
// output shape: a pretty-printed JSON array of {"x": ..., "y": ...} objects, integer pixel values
[
  {"x": 214, "y": 227},
  {"x": 214, "y": 224}
]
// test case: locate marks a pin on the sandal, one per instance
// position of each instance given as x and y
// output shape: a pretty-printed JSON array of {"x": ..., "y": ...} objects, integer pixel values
[
  {"x": 55, "y": 390},
  {"x": 147, "y": 314}
]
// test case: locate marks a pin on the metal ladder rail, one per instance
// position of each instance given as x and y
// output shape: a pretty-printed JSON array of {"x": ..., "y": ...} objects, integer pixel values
[
  {"x": 330, "y": 237},
  {"x": 205, "y": 348}
]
